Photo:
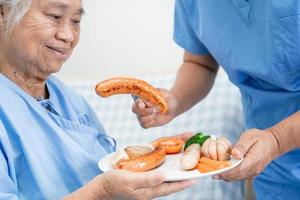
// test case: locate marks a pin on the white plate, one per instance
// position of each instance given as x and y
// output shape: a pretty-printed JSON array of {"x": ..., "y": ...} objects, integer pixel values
[{"x": 171, "y": 167}]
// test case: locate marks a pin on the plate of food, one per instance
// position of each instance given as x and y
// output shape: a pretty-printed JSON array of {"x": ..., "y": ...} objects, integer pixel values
[{"x": 200, "y": 156}]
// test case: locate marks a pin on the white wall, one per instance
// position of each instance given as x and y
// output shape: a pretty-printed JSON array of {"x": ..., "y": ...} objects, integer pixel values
[{"x": 124, "y": 37}]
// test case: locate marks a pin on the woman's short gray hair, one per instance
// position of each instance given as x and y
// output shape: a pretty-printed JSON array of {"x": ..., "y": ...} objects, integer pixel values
[{"x": 17, "y": 10}]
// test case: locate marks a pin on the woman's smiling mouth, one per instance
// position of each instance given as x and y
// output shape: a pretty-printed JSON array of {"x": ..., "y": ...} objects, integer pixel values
[{"x": 60, "y": 53}]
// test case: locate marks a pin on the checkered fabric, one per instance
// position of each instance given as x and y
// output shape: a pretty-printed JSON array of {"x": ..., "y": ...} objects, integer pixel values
[{"x": 220, "y": 113}]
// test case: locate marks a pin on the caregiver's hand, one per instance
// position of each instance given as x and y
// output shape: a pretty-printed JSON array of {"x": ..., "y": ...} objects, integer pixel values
[
  {"x": 123, "y": 185},
  {"x": 149, "y": 115},
  {"x": 259, "y": 148}
]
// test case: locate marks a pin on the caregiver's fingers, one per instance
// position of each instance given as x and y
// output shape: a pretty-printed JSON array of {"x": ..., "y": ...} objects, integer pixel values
[
  {"x": 243, "y": 171},
  {"x": 259, "y": 148},
  {"x": 143, "y": 108},
  {"x": 146, "y": 119},
  {"x": 241, "y": 148}
]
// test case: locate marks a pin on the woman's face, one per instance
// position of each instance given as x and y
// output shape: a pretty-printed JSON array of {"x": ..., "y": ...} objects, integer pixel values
[{"x": 46, "y": 36}]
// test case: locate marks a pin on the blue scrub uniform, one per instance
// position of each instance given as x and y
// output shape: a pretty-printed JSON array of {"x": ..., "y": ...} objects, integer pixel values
[
  {"x": 49, "y": 148},
  {"x": 258, "y": 44}
]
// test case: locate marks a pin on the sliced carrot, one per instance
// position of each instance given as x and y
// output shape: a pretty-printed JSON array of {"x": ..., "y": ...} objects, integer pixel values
[
  {"x": 204, "y": 168},
  {"x": 214, "y": 163}
]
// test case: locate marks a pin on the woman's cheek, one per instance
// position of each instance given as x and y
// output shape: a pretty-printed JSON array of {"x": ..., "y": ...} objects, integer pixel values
[{"x": 76, "y": 32}]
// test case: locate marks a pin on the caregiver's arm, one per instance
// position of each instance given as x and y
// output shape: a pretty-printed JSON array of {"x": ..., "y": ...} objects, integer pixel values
[
  {"x": 123, "y": 185},
  {"x": 260, "y": 147},
  {"x": 287, "y": 133},
  {"x": 194, "y": 80}
]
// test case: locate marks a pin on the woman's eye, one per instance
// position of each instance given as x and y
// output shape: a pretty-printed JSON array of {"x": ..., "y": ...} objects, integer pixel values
[
  {"x": 54, "y": 16},
  {"x": 76, "y": 21}
]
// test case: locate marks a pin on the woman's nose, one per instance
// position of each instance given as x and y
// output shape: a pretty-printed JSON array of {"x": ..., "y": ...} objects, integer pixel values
[{"x": 66, "y": 33}]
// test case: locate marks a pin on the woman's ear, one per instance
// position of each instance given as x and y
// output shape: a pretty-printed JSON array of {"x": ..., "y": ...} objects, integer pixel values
[
  {"x": 1, "y": 16},
  {"x": 3, "y": 11},
  {"x": 2, "y": 20}
]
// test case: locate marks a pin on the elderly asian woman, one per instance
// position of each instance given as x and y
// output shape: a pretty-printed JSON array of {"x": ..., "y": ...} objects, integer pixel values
[{"x": 50, "y": 139}]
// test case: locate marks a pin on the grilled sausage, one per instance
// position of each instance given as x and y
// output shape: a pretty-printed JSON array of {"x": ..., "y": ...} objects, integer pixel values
[
  {"x": 143, "y": 163},
  {"x": 140, "y": 88}
]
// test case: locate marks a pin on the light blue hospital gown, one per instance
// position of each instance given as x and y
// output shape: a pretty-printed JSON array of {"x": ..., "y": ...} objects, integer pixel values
[
  {"x": 258, "y": 44},
  {"x": 48, "y": 148}
]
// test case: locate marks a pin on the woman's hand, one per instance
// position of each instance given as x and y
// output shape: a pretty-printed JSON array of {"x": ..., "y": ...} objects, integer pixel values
[
  {"x": 259, "y": 148},
  {"x": 124, "y": 185},
  {"x": 149, "y": 115}
]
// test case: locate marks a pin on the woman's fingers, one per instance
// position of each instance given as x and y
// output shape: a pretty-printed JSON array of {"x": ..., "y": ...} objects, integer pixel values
[
  {"x": 147, "y": 179},
  {"x": 153, "y": 184},
  {"x": 169, "y": 188},
  {"x": 121, "y": 184}
]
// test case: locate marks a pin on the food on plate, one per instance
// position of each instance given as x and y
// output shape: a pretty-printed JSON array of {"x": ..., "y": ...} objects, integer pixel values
[
  {"x": 199, "y": 138},
  {"x": 224, "y": 145},
  {"x": 144, "y": 158},
  {"x": 119, "y": 155},
  {"x": 137, "y": 87},
  {"x": 209, "y": 149},
  {"x": 216, "y": 149},
  {"x": 206, "y": 153},
  {"x": 208, "y": 165},
  {"x": 215, "y": 164},
  {"x": 190, "y": 157},
  {"x": 137, "y": 151},
  {"x": 143, "y": 163},
  {"x": 203, "y": 168},
  {"x": 171, "y": 145},
  {"x": 213, "y": 155}
]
